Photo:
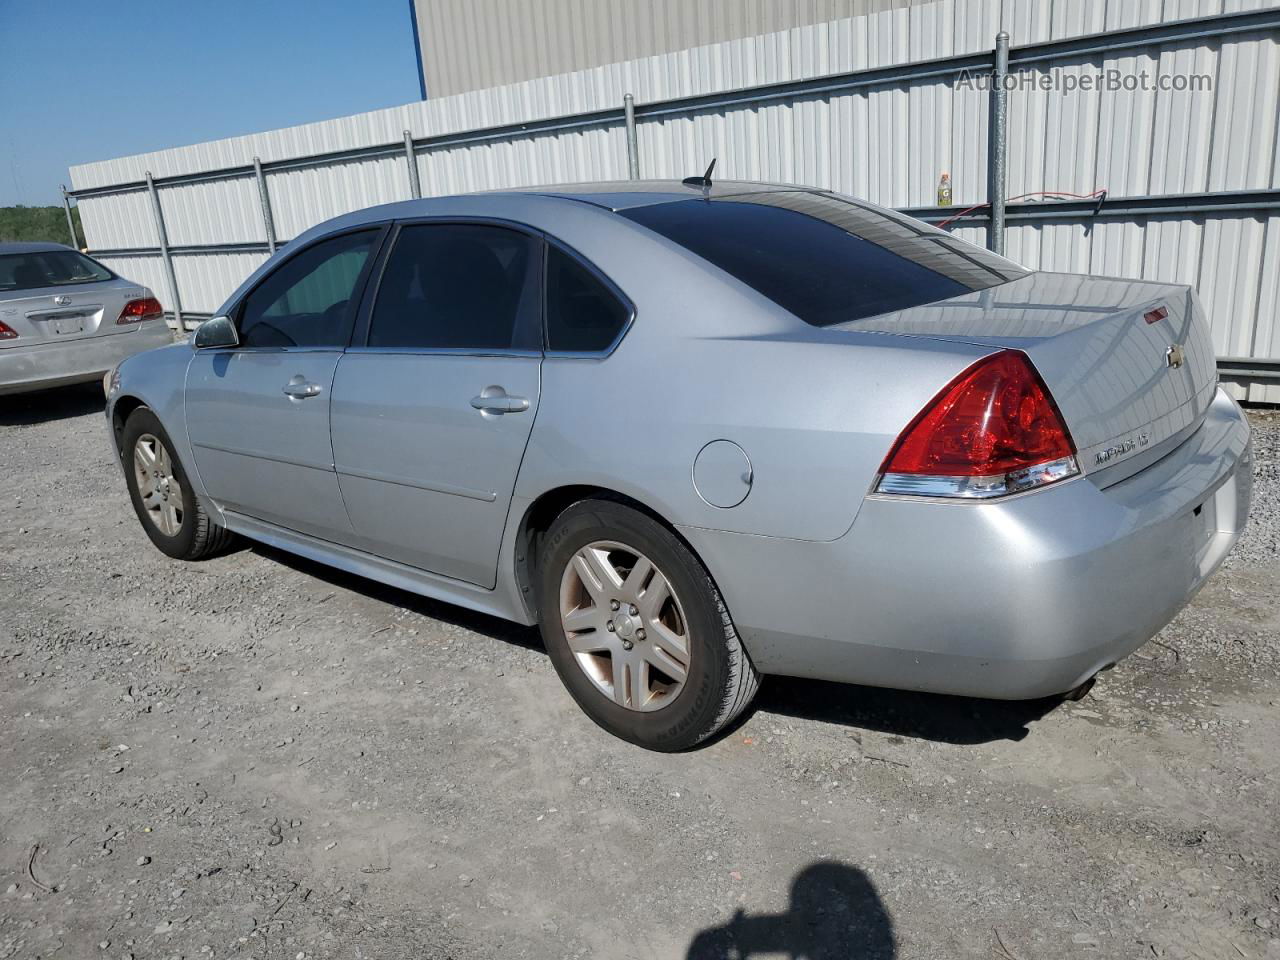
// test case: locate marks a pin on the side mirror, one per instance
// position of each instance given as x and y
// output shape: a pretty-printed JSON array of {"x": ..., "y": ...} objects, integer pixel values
[{"x": 216, "y": 332}]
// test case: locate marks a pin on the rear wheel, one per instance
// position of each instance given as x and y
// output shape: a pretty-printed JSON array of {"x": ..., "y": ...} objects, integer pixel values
[
  {"x": 162, "y": 497},
  {"x": 637, "y": 629}
]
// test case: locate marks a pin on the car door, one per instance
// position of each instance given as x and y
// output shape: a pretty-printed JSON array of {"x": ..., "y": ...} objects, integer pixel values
[
  {"x": 258, "y": 414},
  {"x": 433, "y": 405}
]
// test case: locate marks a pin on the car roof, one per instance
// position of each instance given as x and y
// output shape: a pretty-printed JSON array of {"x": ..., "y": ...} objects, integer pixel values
[
  {"x": 32, "y": 247},
  {"x": 604, "y": 197},
  {"x": 626, "y": 194}
]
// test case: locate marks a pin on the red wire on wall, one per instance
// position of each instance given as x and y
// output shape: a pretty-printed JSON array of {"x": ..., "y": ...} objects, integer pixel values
[{"x": 1023, "y": 196}]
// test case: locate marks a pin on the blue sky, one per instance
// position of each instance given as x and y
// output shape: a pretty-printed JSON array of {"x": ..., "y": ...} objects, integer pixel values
[{"x": 84, "y": 80}]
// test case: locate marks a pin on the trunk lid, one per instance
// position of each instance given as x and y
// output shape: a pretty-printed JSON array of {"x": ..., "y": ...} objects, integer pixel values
[
  {"x": 67, "y": 311},
  {"x": 1130, "y": 390}
]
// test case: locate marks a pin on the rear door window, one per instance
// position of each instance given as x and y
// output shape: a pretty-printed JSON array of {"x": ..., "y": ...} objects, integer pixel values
[
  {"x": 308, "y": 300},
  {"x": 459, "y": 286},
  {"x": 583, "y": 314},
  {"x": 826, "y": 259}
]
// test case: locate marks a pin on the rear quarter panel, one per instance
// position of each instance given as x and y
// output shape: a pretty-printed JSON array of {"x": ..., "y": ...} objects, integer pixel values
[
  {"x": 815, "y": 422},
  {"x": 707, "y": 359}
]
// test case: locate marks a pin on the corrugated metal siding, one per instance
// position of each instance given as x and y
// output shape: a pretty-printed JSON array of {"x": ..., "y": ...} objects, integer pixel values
[
  {"x": 888, "y": 144},
  {"x": 206, "y": 280},
  {"x": 598, "y": 153},
  {"x": 196, "y": 213},
  {"x": 146, "y": 270},
  {"x": 1266, "y": 338},
  {"x": 1230, "y": 272},
  {"x": 119, "y": 220},
  {"x": 477, "y": 44},
  {"x": 1182, "y": 125},
  {"x": 473, "y": 45},
  {"x": 1244, "y": 132},
  {"x": 302, "y": 198}
]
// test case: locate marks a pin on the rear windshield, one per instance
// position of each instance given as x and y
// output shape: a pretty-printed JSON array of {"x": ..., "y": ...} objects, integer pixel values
[
  {"x": 48, "y": 268},
  {"x": 826, "y": 259}
]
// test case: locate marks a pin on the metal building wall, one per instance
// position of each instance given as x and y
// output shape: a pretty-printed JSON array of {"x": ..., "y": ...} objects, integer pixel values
[
  {"x": 886, "y": 140},
  {"x": 477, "y": 44}
]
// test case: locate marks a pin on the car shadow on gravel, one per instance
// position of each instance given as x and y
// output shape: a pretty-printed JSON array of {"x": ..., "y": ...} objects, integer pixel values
[
  {"x": 45, "y": 406},
  {"x": 925, "y": 716},
  {"x": 903, "y": 713},
  {"x": 834, "y": 913},
  {"x": 449, "y": 613}
]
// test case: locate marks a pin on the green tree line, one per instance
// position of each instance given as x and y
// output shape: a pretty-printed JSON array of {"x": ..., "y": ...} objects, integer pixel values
[{"x": 38, "y": 223}]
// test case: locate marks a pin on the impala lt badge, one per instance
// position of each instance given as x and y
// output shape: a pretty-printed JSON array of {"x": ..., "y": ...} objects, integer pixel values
[
  {"x": 62, "y": 300},
  {"x": 1173, "y": 356},
  {"x": 1121, "y": 448}
]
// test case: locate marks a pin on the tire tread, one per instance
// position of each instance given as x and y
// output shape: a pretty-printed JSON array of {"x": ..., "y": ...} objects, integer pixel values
[
  {"x": 210, "y": 539},
  {"x": 744, "y": 679}
]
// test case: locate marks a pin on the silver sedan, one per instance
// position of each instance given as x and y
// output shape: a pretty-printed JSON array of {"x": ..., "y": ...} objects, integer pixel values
[
  {"x": 65, "y": 318},
  {"x": 701, "y": 433}
]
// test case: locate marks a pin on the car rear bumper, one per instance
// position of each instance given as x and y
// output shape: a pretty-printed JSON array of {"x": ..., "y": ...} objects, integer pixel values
[
  {"x": 1015, "y": 599},
  {"x": 52, "y": 363}
]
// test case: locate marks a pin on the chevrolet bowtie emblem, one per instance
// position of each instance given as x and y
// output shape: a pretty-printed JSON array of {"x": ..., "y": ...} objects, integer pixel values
[{"x": 1173, "y": 356}]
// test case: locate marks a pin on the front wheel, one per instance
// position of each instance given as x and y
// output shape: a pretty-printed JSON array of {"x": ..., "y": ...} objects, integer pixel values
[
  {"x": 637, "y": 630},
  {"x": 162, "y": 496}
]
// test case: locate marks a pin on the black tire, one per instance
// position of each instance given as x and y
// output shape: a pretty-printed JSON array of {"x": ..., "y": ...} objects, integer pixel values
[
  {"x": 721, "y": 679},
  {"x": 197, "y": 535}
]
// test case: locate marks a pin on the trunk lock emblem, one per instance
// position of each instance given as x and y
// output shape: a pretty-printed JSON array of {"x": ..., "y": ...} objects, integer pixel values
[
  {"x": 62, "y": 300},
  {"x": 1173, "y": 357}
]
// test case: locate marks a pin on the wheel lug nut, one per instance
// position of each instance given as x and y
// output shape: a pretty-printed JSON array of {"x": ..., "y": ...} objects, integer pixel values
[
  {"x": 633, "y": 610},
  {"x": 609, "y": 626},
  {"x": 639, "y": 634},
  {"x": 626, "y": 644},
  {"x": 613, "y": 604}
]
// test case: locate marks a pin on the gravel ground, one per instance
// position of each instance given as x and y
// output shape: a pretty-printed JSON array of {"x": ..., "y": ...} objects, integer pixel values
[{"x": 257, "y": 756}]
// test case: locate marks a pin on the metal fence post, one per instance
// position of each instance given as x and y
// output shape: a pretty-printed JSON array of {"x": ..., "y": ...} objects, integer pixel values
[
  {"x": 71, "y": 224},
  {"x": 268, "y": 221},
  {"x": 415, "y": 185},
  {"x": 164, "y": 250},
  {"x": 633, "y": 143},
  {"x": 999, "y": 150}
]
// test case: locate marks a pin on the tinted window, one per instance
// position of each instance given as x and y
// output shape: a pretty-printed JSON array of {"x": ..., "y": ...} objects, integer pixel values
[
  {"x": 48, "y": 268},
  {"x": 583, "y": 315},
  {"x": 458, "y": 287},
  {"x": 826, "y": 259},
  {"x": 307, "y": 302}
]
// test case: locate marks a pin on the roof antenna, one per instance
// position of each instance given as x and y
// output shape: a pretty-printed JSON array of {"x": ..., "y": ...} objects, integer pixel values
[{"x": 703, "y": 181}]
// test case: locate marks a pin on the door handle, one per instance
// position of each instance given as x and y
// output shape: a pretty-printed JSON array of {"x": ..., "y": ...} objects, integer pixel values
[
  {"x": 496, "y": 400},
  {"x": 298, "y": 389}
]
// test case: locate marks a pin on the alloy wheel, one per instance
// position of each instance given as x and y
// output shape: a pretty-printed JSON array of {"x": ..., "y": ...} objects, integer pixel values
[
  {"x": 157, "y": 485},
  {"x": 625, "y": 625}
]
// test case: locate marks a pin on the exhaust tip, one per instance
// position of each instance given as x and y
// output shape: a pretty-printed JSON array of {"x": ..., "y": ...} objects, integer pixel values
[{"x": 1082, "y": 691}]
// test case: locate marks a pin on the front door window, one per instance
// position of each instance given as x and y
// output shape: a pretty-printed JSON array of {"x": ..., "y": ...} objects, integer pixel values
[{"x": 308, "y": 301}]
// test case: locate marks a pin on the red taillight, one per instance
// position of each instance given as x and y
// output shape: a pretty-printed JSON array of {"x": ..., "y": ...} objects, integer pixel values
[
  {"x": 135, "y": 311},
  {"x": 7, "y": 332},
  {"x": 1156, "y": 315},
  {"x": 993, "y": 430}
]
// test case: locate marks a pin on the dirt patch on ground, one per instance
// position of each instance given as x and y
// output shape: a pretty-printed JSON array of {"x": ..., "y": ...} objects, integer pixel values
[{"x": 257, "y": 756}]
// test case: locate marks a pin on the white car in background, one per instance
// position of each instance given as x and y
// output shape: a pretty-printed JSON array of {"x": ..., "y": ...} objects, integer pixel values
[{"x": 65, "y": 318}]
